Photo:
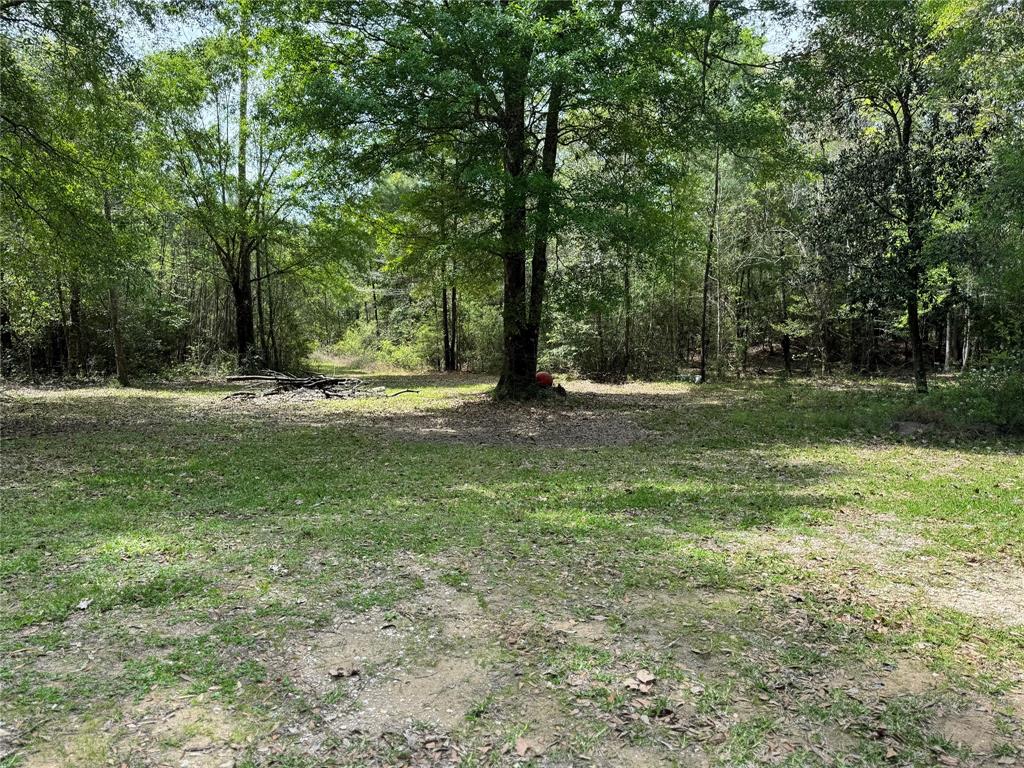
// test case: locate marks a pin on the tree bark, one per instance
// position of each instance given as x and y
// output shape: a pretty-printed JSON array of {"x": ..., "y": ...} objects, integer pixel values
[
  {"x": 448, "y": 364},
  {"x": 947, "y": 362},
  {"x": 120, "y": 359},
  {"x": 627, "y": 346},
  {"x": 707, "y": 271},
  {"x": 6, "y": 333},
  {"x": 967, "y": 338},
  {"x": 455, "y": 331},
  {"x": 271, "y": 333},
  {"x": 916, "y": 347},
  {"x": 519, "y": 364},
  {"x": 77, "y": 352},
  {"x": 241, "y": 295},
  {"x": 914, "y": 246},
  {"x": 261, "y": 271},
  {"x": 241, "y": 284},
  {"x": 787, "y": 354}
]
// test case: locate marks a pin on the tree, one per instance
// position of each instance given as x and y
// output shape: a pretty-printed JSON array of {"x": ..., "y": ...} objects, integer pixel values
[
  {"x": 69, "y": 147},
  {"x": 229, "y": 157},
  {"x": 502, "y": 87},
  {"x": 873, "y": 67}
]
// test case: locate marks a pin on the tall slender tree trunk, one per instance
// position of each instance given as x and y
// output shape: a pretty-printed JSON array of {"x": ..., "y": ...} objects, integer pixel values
[
  {"x": 373, "y": 298},
  {"x": 446, "y": 328},
  {"x": 120, "y": 358},
  {"x": 706, "y": 296},
  {"x": 65, "y": 328},
  {"x": 6, "y": 328},
  {"x": 914, "y": 248},
  {"x": 517, "y": 368},
  {"x": 913, "y": 319},
  {"x": 77, "y": 340},
  {"x": 262, "y": 325},
  {"x": 241, "y": 287},
  {"x": 455, "y": 330},
  {"x": 947, "y": 361},
  {"x": 6, "y": 341},
  {"x": 718, "y": 322},
  {"x": 916, "y": 347},
  {"x": 966, "y": 354},
  {"x": 787, "y": 353},
  {"x": 275, "y": 352},
  {"x": 627, "y": 348}
]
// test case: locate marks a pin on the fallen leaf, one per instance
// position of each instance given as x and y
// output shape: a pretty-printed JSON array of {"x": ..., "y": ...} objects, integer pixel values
[
  {"x": 525, "y": 745},
  {"x": 645, "y": 676}
]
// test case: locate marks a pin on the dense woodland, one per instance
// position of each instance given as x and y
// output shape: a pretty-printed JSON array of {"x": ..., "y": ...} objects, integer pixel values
[{"x": 616, "y": 189}]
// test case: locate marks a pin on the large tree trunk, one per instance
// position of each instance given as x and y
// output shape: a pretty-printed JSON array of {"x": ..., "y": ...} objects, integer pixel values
[
  {"x": 241, "y": 295},
  {"x": 712, "y": 223},
  {"x": 521, "y": 315},
  {"x": 915, "y": 248}
]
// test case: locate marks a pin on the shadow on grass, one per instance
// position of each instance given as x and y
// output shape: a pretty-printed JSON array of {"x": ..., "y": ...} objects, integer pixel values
[{"x": 114, "y": 497}]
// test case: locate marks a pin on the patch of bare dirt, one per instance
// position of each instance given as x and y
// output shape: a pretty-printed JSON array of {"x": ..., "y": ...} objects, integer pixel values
[
  {"x": 166, "y": 728},
  {"x": 482, "y": 422},
  {"x": 592, "y": 632},
  {"x": 994, "y": 592},
  {"x": 594, "y": 415},
  {"x": 633, "y": 756},
  {"x": 973, "y": 729},
  {"x": 439, "y": 695},
  {"x": 391, "y": 670},
  {"x": 880, "y": 563}
]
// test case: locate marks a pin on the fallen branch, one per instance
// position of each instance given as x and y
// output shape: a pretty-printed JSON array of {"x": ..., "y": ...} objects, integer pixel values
[{"x": 312, "y": 385}]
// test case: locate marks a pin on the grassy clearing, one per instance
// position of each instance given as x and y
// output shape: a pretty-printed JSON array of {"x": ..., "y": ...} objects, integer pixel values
[{"x": 804, "y": 585}]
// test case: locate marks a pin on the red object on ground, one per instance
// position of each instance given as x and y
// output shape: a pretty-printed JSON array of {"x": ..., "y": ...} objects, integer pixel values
[{"x": 545, "y": 379}]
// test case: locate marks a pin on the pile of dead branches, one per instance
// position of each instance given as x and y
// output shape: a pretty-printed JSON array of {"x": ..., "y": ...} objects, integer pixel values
[{"x": 308, "y": 387}]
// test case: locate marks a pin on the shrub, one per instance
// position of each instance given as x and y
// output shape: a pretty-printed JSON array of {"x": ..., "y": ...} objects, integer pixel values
[
  {"x": 361, "y": 348},
  {"x": 992, "y": 395}
]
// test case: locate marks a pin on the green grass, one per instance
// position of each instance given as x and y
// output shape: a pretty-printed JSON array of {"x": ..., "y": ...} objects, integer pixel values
[{"x": 750, "y": 544}]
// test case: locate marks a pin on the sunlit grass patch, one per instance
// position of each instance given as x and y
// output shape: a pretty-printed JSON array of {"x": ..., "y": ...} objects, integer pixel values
[{"x": 743, "y": 549}]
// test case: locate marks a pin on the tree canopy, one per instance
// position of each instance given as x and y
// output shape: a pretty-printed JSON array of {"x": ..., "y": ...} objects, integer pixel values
[{"x": 612, "y": 188}]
